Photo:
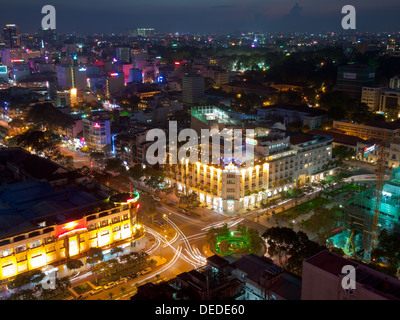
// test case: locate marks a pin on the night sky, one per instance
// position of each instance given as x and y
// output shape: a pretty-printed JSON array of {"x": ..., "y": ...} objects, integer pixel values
[{"x": 202, "y": 15}]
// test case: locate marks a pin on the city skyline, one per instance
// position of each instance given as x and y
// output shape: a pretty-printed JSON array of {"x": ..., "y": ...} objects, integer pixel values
[{"x": 223, "y": 16}]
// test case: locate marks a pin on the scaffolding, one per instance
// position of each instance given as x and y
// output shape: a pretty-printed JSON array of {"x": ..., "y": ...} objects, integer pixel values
[{"x": 362, "y": 208}]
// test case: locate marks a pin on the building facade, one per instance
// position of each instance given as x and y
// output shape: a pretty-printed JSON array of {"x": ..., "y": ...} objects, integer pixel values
[
  {"x": 280, "y": 163},
  {"x": 97, "y": 132}
]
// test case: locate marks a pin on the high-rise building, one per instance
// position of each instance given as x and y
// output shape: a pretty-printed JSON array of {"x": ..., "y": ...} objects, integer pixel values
[
  {"x": 145, "y": 32},
  {"x": 192, "y": 89},
  {"x": 371, "y": 97},
  {"x": 12, "y": 38},
  {"x": 123, "y": 54},
  {"x": 353, "y": 77},
  {"x": 97, "y": 132},
  {"x": 394, "y": 82},
  {"x": 115, "y": 84},
  {"x": 72, "y": 77}
]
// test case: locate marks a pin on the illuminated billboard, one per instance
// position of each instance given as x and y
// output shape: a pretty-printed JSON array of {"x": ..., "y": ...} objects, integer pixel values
[
  {"x": 3, "y": 69},
  {"x": 70, "y": 227}
]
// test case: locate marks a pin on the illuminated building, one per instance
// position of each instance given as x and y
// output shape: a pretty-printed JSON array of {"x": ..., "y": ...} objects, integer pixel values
[
  {"x": 3, "y": 73},
  {"x": 63, "y": 98},
  {"x": 389, "y": 98},
  {"x": 368, "y": 151},
  {"x": 97, "y": 132},
  {"x": 49, "y": 214},
  {"x": 371, "y": 96},
  {"x": 145, "y": 32},
  {"x": 12, "y": 38},
  {"x": 393, "y": 47},
  {"x": 359, "y": 210},
  {"x": 115, "y": 84},
  {"x": 69, "y": 77},
  {"x": 281, "y": 163},
  {"x": 372, "y": 129}
]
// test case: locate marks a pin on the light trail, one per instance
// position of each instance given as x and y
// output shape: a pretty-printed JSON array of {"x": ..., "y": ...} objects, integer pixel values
[
  {"x": 192, "y": 254},
  {"x": 162, "y": 239}
]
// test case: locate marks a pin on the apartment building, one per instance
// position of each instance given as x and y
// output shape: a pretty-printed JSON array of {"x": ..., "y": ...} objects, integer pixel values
[{"x": 97, "y": 132}]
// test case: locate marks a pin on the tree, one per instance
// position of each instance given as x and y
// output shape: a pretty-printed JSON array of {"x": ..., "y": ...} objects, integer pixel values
[
  {"x": 74, "y": 264},
  {"x": 115, "y": 164},
  {"x": 223, "y": 246},
  {"x": 211, "y": 238},
  {"x": 136, "y": 172},
  {"x": 46, "y": 115},
  {"x": 147, "y": 206},
  {"x": 254, "y": 240},
  {"x": 387, "y": 249},
  {"x": 294, "y": 247},
  {"x": 94, "y": 255}
]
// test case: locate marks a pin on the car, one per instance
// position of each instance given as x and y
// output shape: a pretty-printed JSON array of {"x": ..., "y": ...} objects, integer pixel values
[
  {"x": 156, "y": 198},
  {"x": 188, "y": 213},
  {"x": 181, "y": 211},
  {"x": 133, "y": 275},
  {"x": 82, "y": 296},
  {"x": 96, "y": 290},
  {"x": 109, "y": 285},
  {"x": 145, "y": 271},
  {"x": 161, "y": 224},
  {"x": 122, "y": 280}
]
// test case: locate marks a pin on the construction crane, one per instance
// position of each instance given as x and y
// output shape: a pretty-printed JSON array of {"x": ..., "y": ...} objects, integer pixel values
[{"x": 378, "y": 197}]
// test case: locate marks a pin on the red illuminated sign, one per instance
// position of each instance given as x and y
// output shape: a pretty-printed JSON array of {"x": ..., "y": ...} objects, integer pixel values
[{"x": 70, "y": 227}]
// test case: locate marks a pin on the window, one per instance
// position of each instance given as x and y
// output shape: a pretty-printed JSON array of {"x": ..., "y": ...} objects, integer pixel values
[
  {"x": 104, "y": 232},
  {"x": 34, "y": 244},
  {"x": 115, "y": 229},
  {"x": 50, "y": 249},
  {"x": 22, "y": 257},
  {"x": 6, "y": 253},
  {"x": 49, "y": 239},
  {"x": 93, "y": 236},
  {"x": 104, "y": 223},
  {"x": 126, "y": 225},
  {"x": 115, "y": 220}
]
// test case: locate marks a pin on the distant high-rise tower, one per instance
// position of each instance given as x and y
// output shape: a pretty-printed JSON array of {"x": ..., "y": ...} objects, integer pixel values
[
  {"x": 145, "y": 32},
  {"x": 192, "y": 89},
  {"x": 12, "y": 37},
  {"x": 123, "y": 54}
]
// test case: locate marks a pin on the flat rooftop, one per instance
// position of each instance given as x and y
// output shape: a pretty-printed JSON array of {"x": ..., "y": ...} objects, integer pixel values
[{"x": 370, "y": 279}]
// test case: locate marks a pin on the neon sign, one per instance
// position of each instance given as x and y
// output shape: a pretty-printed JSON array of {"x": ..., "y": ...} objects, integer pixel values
[
  {"x": 71, "y": 227},
  {"x": 370, "y": 149},
  {"x": 115, "y": 74}
]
